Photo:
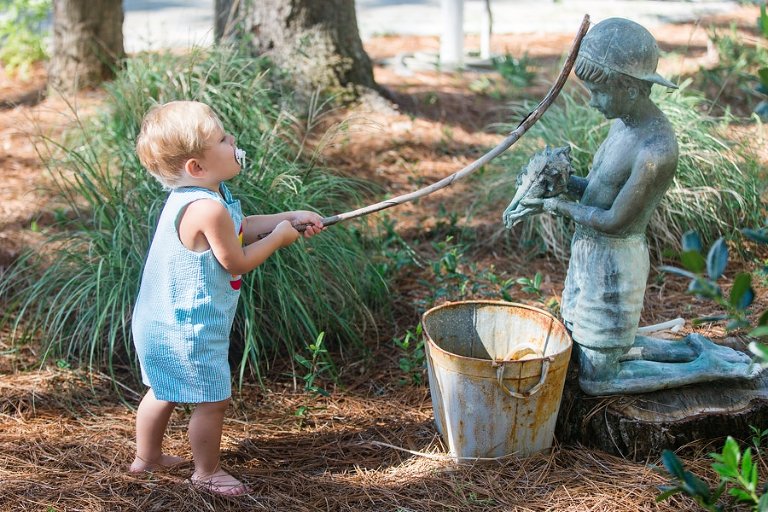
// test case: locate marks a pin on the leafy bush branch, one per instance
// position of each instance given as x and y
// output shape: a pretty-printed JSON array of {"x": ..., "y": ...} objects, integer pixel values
[
  {"x": 737, "y": 469},
  {"x": 704, "y": 273}
]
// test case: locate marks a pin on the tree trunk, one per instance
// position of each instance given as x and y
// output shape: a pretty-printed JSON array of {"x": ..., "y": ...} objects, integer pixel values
[
  {"x": 87, "y": 43},
  {"x": 316, "y": 41},
  {"x": 228, "y": 14}
]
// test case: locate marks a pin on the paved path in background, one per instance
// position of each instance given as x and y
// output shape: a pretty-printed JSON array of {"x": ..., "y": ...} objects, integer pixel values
[{"x": 154, "y": 24}]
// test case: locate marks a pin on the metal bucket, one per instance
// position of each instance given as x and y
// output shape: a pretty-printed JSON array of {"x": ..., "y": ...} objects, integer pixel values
[{"x": 496, "y": 376}]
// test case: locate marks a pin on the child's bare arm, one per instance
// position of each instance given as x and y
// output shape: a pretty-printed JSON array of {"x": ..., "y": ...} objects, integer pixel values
[{"x": 210, "y": 221}]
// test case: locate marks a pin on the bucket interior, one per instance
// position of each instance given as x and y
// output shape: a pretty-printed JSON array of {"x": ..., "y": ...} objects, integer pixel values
[{"x": 496, "y": 331}]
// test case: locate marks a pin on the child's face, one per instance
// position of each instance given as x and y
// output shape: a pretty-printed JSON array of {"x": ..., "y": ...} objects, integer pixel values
[
  {"x": 607, "y": 98},
  {"x": 219, "y": 157}
]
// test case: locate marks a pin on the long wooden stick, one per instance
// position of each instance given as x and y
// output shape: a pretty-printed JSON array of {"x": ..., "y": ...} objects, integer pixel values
[{"x": 513, "y": 137}]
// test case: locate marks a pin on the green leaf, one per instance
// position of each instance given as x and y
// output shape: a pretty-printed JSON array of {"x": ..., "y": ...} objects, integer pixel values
[
  {"x": 735, "y": 324},
  {"x": 759, "y": 332},
  {"x": 762, "y": 504},
  {"x": 717, "y": 493},
  {"x": 672, "y": 463},
  {"x": 302, "y": 361},
  {"x": 695, "y": 486},
  {"x": 450, "y": 262},
  {"x": 742, "y": 293},
  {"x": 693, "y": 261},
  {"x": 731, "y": 452},
  {"x": 674, "y": 270},
  {"x": 717, "y": 259},
  {"x": 748, "y": 470},
  {"x": 725, "y": 470},
  {"x": 763, "y": 320},
  {"x": 696, "y": 287},
  {"x": 740, "y": 494},
  {"x": 704, "y": 288},
  {"x": 667, "y": 491},
  {"x": 710, "y": 318},
  {"x": 758, "y": 235},
  {"x": 691, "y": 241},
  {"x": 317, "y": 390},
  {"x": 760, "y": 350},
  {"x": 762, "y": 74}
]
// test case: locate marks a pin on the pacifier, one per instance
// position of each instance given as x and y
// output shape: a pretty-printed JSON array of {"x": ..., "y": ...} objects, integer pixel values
[{"x": 240, "y": 156}]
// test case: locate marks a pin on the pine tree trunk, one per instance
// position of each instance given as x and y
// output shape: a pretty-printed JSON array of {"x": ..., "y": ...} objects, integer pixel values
[
  {"x": 87, "y": 43},
  {"x": 316, "y": 41}
]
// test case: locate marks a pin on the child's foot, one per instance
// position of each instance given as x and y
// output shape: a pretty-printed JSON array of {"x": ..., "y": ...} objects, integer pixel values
[
  {"x": 220, "y": 482},
  {"x": 163, "y": 462}
]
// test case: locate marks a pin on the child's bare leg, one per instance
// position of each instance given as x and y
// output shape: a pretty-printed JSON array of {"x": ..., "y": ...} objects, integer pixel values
[
  {"x": 151, "y": 421},
  {"x": 205, "y": 437}
]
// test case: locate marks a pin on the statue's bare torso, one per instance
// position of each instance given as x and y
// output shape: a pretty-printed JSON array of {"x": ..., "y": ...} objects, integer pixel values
[{"x": 634, "y": 165}]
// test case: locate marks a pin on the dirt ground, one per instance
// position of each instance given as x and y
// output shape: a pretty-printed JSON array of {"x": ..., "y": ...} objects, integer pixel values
[{"x": 66, "y": 438}]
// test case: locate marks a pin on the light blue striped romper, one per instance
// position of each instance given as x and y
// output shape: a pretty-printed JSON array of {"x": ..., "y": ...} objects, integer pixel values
[{"x": 185, "y": 308}]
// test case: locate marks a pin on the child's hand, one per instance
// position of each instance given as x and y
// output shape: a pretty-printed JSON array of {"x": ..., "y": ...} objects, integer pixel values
[
  {"x": 312, "y": 221},
  {"x": 286, "y": 233}
]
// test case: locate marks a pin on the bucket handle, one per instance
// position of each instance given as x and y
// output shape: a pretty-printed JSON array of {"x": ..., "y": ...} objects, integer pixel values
[{"x": 525, "y": 394}]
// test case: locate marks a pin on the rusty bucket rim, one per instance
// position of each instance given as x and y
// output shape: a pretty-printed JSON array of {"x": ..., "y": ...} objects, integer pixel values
[{"x": 553, "y": 318}]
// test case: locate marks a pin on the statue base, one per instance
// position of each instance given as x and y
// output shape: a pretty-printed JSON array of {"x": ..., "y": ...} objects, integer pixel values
[{"x": 641, "y": 426}]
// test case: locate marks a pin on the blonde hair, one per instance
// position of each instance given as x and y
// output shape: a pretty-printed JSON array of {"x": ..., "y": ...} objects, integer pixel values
[{"x": 171, "y": 134}]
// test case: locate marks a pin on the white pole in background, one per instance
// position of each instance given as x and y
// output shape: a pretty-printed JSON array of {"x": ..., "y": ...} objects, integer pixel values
[
  {"x": 452, "y": 36},
  {"x": 486, "y": 24}
]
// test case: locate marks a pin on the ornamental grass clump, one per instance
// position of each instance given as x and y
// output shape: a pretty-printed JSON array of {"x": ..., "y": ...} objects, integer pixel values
[
  {"x": 716, "y": 188},
  {"x": 78, "y": 298}
]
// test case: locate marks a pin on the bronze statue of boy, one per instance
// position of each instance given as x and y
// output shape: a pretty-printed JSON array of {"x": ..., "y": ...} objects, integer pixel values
[{"x": 609, "y": 263}]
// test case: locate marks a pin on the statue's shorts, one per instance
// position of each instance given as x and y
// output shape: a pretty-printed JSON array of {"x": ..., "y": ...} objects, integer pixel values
[{"x": 604, "y": 288}]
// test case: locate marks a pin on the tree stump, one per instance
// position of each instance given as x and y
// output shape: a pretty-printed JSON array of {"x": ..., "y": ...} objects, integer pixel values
[{"x": 641, "y": 426}]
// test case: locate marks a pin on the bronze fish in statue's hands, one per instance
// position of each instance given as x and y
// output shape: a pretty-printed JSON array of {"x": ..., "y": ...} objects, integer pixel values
[{"x": 546, "y": 175}]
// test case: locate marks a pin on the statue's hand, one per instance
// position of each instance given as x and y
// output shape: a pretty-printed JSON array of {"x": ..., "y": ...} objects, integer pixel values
[
  {"x": 531, "y": 206},
  {"x": 545, "y": 177},
  {"x": 515, "y": 213}
]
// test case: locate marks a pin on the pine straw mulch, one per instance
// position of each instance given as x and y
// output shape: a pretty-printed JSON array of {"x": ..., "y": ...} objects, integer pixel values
[{"x": 66, "y": 442}]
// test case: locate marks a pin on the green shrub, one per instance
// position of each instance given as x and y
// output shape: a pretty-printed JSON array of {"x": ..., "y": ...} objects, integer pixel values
[
  {"x": 517, "y": 72},
  {"x": 81, "y": 300},
  {"x": 736, "y": 80},
  {"x": 22, "y": 33},
  {"x": 717, "y": 185}
]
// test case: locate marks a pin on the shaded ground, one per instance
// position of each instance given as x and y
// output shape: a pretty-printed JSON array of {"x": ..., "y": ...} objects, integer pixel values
[{"x": 65, "y": 441}]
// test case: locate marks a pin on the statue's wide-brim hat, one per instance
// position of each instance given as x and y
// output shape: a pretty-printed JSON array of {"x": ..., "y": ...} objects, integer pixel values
[{"x": 626, "y": 47}]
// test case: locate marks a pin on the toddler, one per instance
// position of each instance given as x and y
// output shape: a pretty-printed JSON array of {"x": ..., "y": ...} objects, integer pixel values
[{"x": 191, "y": 284}]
